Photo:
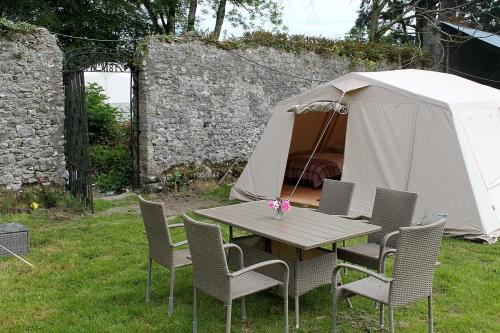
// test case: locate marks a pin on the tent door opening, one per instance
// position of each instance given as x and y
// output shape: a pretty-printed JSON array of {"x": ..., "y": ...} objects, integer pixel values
[{"x": 327, "y": 161}]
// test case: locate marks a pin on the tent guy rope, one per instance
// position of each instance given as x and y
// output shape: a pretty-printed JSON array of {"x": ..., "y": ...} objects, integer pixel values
[{"x": 15, "y": 255}]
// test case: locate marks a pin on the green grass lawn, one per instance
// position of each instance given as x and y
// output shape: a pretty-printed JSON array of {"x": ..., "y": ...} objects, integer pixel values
[{"x": 90, "y": 276}]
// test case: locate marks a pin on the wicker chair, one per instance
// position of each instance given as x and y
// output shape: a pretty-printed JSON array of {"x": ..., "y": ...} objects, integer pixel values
[
  {"x": 391, "y": 210},
  {"x": 212, "y": 276},
  {"x": 417, "y": 251},
  {"x": 161, "y": 248},
  {"x": 336, "y": 197}
]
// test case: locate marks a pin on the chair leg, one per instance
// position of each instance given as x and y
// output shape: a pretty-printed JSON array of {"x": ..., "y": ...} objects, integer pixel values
[
  {"x": 429, "y": 308},
  {"x": 285, "y": 308},
  {"x": 243, "y": 309},
  {"x": 296, "y": 312},
  {"x": 171, "y": 295},
  {"x": 334, "y": 314},
  {"x": 195, "y": 311},
  {"x": 228, "y": 317},
  {"x": 148, "y": 286},
  {"x": 339, "y": 279},
  {"x": 391, "y": 320},
  {"x": 381, "y": 318}
]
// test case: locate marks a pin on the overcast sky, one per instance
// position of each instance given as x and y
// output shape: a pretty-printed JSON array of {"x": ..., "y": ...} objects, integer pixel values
[{"x": 327, "y": 18}]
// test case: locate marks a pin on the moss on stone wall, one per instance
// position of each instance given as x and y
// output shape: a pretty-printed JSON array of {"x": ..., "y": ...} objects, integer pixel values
[
  {"x": 358, "y": 52},
  {"x": 361, "y": 54}
]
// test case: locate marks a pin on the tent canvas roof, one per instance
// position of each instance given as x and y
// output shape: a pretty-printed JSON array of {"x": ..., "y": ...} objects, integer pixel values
[{"x": 436, "y": 87}]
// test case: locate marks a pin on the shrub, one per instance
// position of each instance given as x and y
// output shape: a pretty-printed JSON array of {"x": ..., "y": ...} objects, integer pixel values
[
  {"x": 112, "y": 166},
  {"x": 102, "y": 117}
]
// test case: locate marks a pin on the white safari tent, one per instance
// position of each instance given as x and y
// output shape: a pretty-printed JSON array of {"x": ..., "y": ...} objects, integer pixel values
[{"x": 426, "y": 132}]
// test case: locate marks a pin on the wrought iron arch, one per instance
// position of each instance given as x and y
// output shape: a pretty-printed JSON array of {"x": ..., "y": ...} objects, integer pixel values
[{"x": 76, "y": 62}]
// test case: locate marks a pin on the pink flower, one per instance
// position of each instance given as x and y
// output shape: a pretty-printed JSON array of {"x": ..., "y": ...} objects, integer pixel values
[
  {"x": 270, "y": 204},
  {"x": 285, "y": 205}
]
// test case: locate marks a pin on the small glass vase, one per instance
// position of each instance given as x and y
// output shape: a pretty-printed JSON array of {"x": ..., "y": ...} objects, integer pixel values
[{"x": 279, "y": 214}]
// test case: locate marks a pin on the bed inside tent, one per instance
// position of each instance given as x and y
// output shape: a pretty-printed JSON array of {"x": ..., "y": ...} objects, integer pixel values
[{"x": 325, "y": 131}]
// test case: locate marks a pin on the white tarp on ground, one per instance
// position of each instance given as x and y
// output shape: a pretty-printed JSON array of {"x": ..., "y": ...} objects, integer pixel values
[{"x": 431, "y": 133}]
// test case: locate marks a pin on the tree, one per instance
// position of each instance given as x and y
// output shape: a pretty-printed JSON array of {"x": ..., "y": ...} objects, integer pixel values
[
  {"x": 134, "y": 19},
  {"x": 193, "y": 5},
  {"x": 101, "y": 19},
  {"x": 219, "y": 18},
  {"x": 407, "y": 19},
  {"x": 102, "y": 117},
  {"x": 244, "y": 13}
]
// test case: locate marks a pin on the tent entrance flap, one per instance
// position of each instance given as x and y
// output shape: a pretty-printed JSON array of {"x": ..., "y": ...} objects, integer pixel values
[{"x": 327, "y": 133}]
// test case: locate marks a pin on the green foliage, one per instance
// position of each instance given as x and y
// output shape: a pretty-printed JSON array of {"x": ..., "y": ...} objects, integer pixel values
[
  {"x": 45, "y": 197},
  {"x": 8, "y": 27},
  {"x": 102, "y": 19},
  {"x": 112, "y": 166},
  {"x": 112, "y": 163},
  {"x": 102, "y": 117},
  {"x": 357, "y": 34},
  {"x": 354, "y": 49}
]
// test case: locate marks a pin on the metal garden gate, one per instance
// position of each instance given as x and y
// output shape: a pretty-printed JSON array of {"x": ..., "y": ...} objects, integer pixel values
[{"x": 76, "y": 62}]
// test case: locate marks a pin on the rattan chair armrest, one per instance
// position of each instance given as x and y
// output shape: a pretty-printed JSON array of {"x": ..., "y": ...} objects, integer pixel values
[
  {"x": 240, "y": 251},
  {"x": 286, "y": 270},
  {"x": 384, "y": 242},
  {"x": 383, "y": 257},
  {"x": 176, "y": 225},
  {"x": 378, "y": 276},
  {"x": 184, "y": 242}
]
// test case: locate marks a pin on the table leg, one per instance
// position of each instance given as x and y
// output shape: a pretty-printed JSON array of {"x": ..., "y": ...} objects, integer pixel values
[{"x": 230, "y": 234}]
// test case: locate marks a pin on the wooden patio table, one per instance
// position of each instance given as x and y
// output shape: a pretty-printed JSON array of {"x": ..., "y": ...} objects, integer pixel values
[{"x": 304, "y": 229}]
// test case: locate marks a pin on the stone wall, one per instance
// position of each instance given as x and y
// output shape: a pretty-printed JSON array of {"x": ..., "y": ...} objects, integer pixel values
[
  {"x": 201, "y": 103},
  {"x": 31, "y": 110}
]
